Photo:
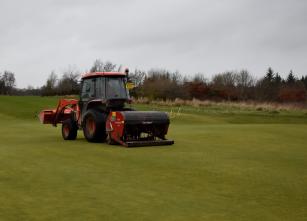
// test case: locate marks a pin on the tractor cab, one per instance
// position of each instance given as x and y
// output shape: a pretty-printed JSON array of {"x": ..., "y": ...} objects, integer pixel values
[{"x": 105, "y": 90}]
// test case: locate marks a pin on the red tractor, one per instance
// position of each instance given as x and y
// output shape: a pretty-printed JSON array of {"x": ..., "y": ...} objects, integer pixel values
[{"x": 102, "y": 114}]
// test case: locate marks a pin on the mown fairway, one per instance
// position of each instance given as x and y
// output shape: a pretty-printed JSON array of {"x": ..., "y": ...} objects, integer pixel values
[{"x": 225, "y": 165}]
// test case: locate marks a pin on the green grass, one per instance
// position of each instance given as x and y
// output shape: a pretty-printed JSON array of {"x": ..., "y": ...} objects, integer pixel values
[{"x": 225, "y": 165}]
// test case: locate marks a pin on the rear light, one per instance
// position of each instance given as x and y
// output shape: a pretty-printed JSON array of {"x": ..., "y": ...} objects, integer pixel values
[{"x": 113, "y": 117}]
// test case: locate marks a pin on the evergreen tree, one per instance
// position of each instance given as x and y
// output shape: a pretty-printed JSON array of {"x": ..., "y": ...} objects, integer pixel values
[
  {"x": 269, "y": 75},
  {"x": 304, "y": 80},
  {"x": 291, "y": 78},
  {"x": 277, "y": 79}
]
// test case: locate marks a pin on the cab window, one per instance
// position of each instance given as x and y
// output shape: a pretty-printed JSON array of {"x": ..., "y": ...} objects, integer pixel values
[
  {"x": 88, "y": 89},
  {"x": 116, "y": 88},
  {"x": 100, "y": 88}
]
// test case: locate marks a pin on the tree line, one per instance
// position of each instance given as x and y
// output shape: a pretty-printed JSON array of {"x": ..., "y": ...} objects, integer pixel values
[
  {"x": 230, "y": 86},
  {"x": 163, "y": 84}
]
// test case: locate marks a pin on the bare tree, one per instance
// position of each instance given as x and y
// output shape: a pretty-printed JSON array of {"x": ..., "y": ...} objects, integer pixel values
[
  {"x": 225, "y": 79},
  {"x": 109, "y": 66},
  {"x": 200, "y": 78},
  {"x": 196, "y": 87},
  {"x": 50, "y": 87},
  {"x": 162, "y": 84},
  {"x": 68, "y": 84},
  {"x": 137, "y": 77},
  {"x": 244, "y": 82},
  {"x": 7, "y": 82},
  {"x": 224, "y": 86},
  {"x": 99, "y": 65},
  {"x": 244, "y": 79},
  {"x": 2, "y": 86}
]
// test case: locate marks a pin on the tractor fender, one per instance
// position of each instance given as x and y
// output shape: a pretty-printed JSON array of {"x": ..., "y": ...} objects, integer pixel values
[{"x": 98, "y": 104}]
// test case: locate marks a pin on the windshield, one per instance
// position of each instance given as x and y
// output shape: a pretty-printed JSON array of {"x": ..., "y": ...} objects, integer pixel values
[{"x": 116, "y": 88}]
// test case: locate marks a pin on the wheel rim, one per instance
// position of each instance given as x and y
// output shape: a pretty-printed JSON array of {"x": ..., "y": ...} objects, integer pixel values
[
  {"x": 66, "y": 130},
  {"x": 90, "y": 126}
]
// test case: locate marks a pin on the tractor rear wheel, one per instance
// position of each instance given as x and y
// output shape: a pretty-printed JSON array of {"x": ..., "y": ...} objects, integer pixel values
[
  {"x": 94, "y": 126},
  {"x": 69, "y": 129}
]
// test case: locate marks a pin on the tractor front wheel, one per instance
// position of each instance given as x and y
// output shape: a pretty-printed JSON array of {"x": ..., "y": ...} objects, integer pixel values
[{"x": 69, "y": 129}]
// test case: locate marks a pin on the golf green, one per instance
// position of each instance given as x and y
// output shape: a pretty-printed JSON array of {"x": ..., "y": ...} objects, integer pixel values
[{"x": 225, "y": 165}]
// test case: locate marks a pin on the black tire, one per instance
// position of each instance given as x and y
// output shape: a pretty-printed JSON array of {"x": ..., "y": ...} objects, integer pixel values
[
  {"x": 69, "y": 129},
  {"x": 94, "y": 126}
]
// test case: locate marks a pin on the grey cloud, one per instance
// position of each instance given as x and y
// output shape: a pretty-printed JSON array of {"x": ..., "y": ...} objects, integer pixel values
[{"x": 206, "y": 36}]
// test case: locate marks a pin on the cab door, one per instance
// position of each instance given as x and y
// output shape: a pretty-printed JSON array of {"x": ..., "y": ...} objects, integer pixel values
[{"x": 87, "y": 93}]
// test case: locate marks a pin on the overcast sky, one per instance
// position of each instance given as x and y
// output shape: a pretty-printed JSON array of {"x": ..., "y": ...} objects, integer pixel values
[{"x": 191, "y": 36}]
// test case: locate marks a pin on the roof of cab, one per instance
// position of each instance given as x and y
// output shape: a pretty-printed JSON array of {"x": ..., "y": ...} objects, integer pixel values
[{"x": 98, "y": 74}]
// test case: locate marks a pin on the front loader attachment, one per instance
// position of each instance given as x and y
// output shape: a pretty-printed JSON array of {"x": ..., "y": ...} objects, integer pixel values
[
  {"x": 138, "y": 128},
  {"x": 61, "y": 113}
]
